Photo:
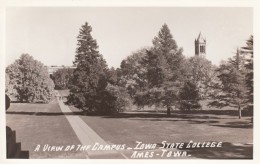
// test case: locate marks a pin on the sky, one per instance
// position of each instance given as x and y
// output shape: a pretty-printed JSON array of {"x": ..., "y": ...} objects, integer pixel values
[{"x": 49, "y": 34}]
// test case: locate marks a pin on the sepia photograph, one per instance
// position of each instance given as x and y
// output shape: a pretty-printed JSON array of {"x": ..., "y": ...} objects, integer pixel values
[{"x": 129, "y": 82}]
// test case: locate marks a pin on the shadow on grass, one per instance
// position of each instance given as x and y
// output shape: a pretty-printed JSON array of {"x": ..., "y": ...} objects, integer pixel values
[
  {"x": 26, "y": 102},
  {"x": 160, "y": 115},
  {"x": 227, "y": 151},
  {"x": 44, "y": 113},
  {"x": 242, "y": 124},
  {"x": 222, "y": 112},
  {"x": 188, "y": 120},
  {"x": 246, "y": 125},
  {"x": 210, "y": 111}
]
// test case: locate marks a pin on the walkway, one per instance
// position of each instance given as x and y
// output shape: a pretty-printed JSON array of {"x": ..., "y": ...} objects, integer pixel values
[{"x": 87, "y": 136}]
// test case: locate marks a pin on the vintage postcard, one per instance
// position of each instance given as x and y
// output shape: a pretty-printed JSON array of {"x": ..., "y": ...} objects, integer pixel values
[{"x": 132, "y": 82}]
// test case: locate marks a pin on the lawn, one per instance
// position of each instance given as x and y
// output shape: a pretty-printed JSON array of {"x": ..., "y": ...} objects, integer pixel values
[
  {"x": 41, "y": 124},
  {"x": 155, "y": 127},
  {"x": 46, "y": 124}
]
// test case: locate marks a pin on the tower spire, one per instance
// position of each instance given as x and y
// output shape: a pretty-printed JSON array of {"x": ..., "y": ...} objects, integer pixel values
[{"x": 200, "y": 45}]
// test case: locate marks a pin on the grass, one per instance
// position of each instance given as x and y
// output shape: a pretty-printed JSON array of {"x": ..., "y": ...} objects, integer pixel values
[
  {"x": 41, "y": 124},
  {"x": 152, "y": 127},
  {"x": 46, "y": 124}
]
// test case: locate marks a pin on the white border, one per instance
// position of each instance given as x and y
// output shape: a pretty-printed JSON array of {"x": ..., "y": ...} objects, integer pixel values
[{"x": 133, "y": 3}]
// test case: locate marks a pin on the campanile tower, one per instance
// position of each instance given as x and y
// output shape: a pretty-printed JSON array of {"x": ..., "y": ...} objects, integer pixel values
[{"x": 200, "y": 46}]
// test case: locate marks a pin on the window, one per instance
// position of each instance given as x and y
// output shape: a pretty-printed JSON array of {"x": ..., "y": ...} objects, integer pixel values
[{"x": 202, "y": 49}]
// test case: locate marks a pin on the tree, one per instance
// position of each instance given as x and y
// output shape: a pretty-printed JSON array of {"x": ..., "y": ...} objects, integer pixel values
[
  {"x": 131, "y": 74},
  {"x": 29, "y": 80},
  {"x": 116, "y": 98},
  {"x": 163, "y": 65},
  {"x": 202, "y": 73},
  {"x": 189, "y": 96},
  {"x": 112, "y": 76},
  {"x": 62, "y": 78},
  {"x": 231, "y": 88},
  {"x": 157, "y": 69},
  {"x": 120, "y": 98},
  {"x": 89, "y": 90},
  {"x": 165, "y": 45},
  {"x": 236, "y": 80},
  {"x": 9, "y": 86},
  {"x": 247, "y": 51}
]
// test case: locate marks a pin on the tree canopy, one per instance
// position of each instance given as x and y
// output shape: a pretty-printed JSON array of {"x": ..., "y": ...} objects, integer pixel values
[
  {"x": 189, "y": 96},
  {"x": 62, "y": 78},
  {"x": 29, "y": 80},
  {"x": 163, "y": 65},
  {"x": 132, "y": 73},
  {"x": 202, "y": 73},
  {"x": 235, "y": 85},
  {"x": 248, "y": 52}
]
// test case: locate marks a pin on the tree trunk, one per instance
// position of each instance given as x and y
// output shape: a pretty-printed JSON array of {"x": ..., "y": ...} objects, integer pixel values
[
  {"x": 239, "y": 112},
  {"x": 168, "y": 111}
]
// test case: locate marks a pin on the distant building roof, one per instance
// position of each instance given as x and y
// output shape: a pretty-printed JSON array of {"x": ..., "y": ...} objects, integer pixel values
[
  {"x": 201, "y": 38},
  {"x": 52, "y": 69}
]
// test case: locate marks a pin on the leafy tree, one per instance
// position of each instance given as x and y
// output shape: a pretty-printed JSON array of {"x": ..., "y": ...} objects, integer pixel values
[
  {"x": 247, "y": 51},
  {"x": 131, "y": 74},
  {"x": 62, "y": 78},
  {"x": 7, "y": 82},
  {"x": 189, "y": 96},
  {"x": 202, "y": 73},
  {"x": 29, "y": 80},
  {"x": 235, "y": 87},
  {"x": 231, "y": 89},
  {"x": 120, "y": 99},
  {"x": 10, "y": 90},
  {"x": 112, "y": 76},
  {"x": 163, "y": 64}
]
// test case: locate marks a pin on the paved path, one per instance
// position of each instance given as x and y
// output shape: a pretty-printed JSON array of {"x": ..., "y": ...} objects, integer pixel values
[{"x": 86, "y": 135}]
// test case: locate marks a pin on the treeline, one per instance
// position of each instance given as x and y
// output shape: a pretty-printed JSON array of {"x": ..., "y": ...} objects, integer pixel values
[{"x": 159, "y": 75}]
